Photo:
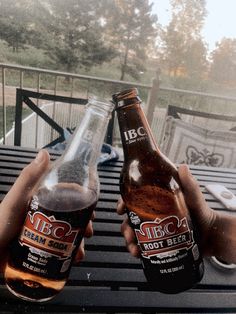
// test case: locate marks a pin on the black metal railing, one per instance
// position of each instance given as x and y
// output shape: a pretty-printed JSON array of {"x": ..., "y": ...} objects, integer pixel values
[
  {"x": 156, "y": 98},
  {"x": 24, "y": 96}
]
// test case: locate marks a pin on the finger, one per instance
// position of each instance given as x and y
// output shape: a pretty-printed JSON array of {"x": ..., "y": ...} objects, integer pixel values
[
  {"x": 120, "y": 206},
  {"x": 93, "y": 216},
  {"x": 3, "y": 259},
  {"x": 194, "y": 198},
  {"x": 80, "y": 253},
  {"x": 13, "y": 206},
  {"x": 89, "y": 230},
  {"x": 130, "y": 238}
]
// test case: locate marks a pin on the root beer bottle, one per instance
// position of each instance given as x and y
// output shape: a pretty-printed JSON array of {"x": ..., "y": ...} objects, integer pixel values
[
  {"x": 41, "y": 257},
  {"x": 157, "y": 212}
]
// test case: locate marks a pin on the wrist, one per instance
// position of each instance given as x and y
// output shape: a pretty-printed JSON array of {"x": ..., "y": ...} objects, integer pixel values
[{"x": 221, "y": 242}]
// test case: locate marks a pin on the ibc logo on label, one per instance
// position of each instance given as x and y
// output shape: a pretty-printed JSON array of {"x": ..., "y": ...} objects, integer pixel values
[
  {"x": 132, "y": 135},
  {"x": 88, "y": 135}
]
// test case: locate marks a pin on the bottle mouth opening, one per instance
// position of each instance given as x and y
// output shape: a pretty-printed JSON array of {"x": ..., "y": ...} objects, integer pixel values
[
  {"x": 100, "y": 103},
  {"x": 127, "y": 102},
  {"x": 127, "y": 93},
  {"x": 126, "y": 97},
  {"x": 222, "y": 264}
]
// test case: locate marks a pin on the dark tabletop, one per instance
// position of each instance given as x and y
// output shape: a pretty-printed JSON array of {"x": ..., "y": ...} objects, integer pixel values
[{"x": 109, "y": 279}]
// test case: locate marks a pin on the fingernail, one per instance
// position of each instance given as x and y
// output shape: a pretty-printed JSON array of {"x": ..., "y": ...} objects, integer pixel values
[
  {"x": 185, "y": 167},
  {"x": 40, "y": 157}
]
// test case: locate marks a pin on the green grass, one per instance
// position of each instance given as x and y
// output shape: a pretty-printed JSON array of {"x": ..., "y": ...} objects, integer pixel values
[{"x": 30, "y": 56}]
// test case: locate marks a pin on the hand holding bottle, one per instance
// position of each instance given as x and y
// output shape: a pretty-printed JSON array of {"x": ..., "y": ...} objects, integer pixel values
[
  {"x": 216, "y": 229},
  {"x": 59, "y": 213},
  {"x": 13, "y": 206}
]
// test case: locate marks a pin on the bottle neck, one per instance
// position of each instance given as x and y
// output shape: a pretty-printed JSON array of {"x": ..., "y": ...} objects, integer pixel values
[
  {"x": 78, "y": 164},
  {"x": 136, "y": 135},
  {"x": 88, "y": 137}
]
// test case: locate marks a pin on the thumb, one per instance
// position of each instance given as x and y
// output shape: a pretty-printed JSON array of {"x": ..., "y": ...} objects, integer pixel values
[{"x": 13, "y": 206}]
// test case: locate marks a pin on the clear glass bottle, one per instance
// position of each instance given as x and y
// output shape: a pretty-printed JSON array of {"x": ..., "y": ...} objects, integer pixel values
[{"x": 40, "y": 259}]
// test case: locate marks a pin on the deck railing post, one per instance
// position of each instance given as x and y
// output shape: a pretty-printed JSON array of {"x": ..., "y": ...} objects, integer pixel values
[
  {"x": 4, "y": 114},
  {"x": 18, "y": 117},
  {"x": 152, "y": 96},
  {"x": 110, "y": 129}
]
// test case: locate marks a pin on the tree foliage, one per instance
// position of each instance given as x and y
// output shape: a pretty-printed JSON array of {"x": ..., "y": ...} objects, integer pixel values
[
  {"x": 14, "y": 23},
  {"x": 184, "y": 51},
  {"x": 188, "y": 17},
  {"x": 131, "y": 29},
  {"x": 223, "y": 66},
  {"x": 76, "y": 34},
  {"x": 71, "y": 32}
]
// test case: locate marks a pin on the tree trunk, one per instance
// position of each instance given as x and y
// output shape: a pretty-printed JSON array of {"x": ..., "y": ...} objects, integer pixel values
[
  {"x": 122, "y": 72},
  {"x": 123, "y": 66}
]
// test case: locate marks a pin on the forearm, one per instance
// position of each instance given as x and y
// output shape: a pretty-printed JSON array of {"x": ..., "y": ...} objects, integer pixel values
[{"x": 221, "y": 240}]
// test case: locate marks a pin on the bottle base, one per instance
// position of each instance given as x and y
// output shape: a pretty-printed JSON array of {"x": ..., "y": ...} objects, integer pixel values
[
  {"x": 25, "y": 298},
  {"x": 31, "y": 287},
  {"x": 173, "y": 283}
]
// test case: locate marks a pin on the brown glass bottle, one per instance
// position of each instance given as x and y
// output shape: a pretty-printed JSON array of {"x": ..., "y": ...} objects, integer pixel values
[{"x": 157, "y": 212}]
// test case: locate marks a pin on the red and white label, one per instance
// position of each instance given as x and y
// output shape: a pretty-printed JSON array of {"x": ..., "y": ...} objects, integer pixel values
[
  {"x": 165, "y": 235},
  {"x": 48, "y": 234}
]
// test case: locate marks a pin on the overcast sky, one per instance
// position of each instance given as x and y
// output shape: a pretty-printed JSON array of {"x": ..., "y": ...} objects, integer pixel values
[{"x": 220, "y": 21}]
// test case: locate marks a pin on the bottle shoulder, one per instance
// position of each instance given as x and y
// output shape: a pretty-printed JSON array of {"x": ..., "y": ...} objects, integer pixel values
[
  {"x": 152, "y": 164},
  {"x": 138, "y": 175},
  {"x": 66, "y": 197}
]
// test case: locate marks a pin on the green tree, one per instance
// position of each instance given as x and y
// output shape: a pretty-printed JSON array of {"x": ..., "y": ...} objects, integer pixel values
[
  {"x": 173, "y": 49},
  {"x": 76, "y": 30},
  {"x": 196, "y": 64},
  {"x": 131, "y": 28},
  {"x": 184, "y": 51},
  {"x": 223, "y": 65},
  {"x": 22, "y": 23},
  {"x": 14, "y": 28},
  {"x": 188, "y": 17}
]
